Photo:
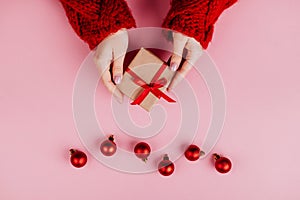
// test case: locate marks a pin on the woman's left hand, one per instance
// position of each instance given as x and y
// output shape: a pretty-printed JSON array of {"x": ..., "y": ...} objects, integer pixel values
[{"x": 194, "y": 51}]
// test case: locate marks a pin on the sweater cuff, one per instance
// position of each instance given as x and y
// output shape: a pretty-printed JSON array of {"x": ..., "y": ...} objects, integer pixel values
[
  {"x": 94, "y": 20},
  {"x": 196, "y": 18}
]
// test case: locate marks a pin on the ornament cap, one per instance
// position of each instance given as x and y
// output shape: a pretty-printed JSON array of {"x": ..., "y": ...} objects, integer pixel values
[
  {"x": 72, "y": 151},
  {"x": 111, "y": 138},
  {"x": 216, "y": 156},
  {"x": 166, "y": 157},
  {"x": 202, "y": 153}
]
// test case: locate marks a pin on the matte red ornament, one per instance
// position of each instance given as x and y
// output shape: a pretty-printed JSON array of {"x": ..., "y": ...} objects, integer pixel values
[
  {"x": 142, "y": 150},
  {"x": 193, "y": 153},
  {"x": 108, "y": 147},
  {"x": 222, "y": 164},
  {"x": 78, "y": 158},
  {"x": 166, "y": 167}
]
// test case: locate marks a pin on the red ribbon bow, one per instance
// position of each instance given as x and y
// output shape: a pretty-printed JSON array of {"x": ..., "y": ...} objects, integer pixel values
[{"x": 153, "y": 87}]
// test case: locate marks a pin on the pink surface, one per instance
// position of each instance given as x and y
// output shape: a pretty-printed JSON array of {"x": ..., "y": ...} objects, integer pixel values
[{"x": 255, "y": 46}]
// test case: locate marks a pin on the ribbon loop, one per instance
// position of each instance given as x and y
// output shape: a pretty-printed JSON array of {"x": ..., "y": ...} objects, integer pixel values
[{"x": 153, "y": 87}]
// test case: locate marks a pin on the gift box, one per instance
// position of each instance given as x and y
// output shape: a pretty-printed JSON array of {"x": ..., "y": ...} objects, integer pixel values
[{"x": 146, "y": 79}]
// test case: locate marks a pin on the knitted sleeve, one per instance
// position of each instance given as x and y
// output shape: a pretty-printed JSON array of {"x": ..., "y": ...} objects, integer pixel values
[
  {"x": 93, "y": 20},
  {"x": 196, "y": 18}
]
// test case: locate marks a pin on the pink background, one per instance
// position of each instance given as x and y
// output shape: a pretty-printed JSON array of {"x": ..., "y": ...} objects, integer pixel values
[{"x": 255, "y": 46}]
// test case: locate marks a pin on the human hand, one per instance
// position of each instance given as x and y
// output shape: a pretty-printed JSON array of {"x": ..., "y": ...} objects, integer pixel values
[
  {"x": 112, "y": 49},
  {"x": 194, "y": 51}
]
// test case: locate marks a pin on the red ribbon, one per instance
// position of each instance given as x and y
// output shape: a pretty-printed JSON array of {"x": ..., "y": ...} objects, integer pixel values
[{"x": 153, "y": 87}]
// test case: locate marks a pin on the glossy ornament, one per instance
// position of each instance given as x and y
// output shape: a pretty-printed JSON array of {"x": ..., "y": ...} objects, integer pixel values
[
  {"x": 193, "y": 153},
  {"x": 166, "y": 167},
  {"x": 222, "y": 164},
  {"x": 142, "y": 150},
  {"x": 108, "y": 147},
  {"x": 78, "y": 158}
]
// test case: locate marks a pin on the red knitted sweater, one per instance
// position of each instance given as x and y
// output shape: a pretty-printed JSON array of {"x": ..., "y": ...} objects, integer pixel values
[
  {"x": 93, "y": 20},
  {"x": 196, "y": 18}
]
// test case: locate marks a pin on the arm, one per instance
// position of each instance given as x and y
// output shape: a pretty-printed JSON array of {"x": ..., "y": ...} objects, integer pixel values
[
  {"x": 94, "y": 20},
  {"x": 196, "y": 18},
  {"x": 194, "y": 22},
  {"x": 102, "y": 24}
]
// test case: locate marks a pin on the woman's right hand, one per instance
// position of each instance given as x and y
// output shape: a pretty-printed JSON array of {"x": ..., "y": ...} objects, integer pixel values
[{"x": 112, "y": 49}]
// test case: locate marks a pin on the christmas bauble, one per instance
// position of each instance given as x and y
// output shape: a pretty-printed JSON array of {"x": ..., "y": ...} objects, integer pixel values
[
  {"x": 222, "y": 164},
  {"x": 78, "y": 158},
  {"x": 166, "y": 167},
  {"x": 192, "y": 153},
  {"x": 108, "y": 147},
  {"x": 142, "y": 150}
]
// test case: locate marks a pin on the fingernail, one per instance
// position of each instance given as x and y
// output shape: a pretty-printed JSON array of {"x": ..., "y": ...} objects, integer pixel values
[
  {"x": 117, "y": 79},
  {"x": 173, "y": 66}
]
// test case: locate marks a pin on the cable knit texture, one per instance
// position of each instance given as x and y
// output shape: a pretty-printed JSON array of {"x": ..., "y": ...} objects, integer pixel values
[
  {"x": 94, "y": 20},
  {"x": 196, "y": 18}
]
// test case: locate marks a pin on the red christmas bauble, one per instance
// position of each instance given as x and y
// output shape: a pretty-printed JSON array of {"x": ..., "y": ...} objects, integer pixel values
[
  {"x": 78, "y": 158},
  {"x": 222, "y": 164},
  {"x": 192, "y": 153},
  {"x": 108, "y": 147},
  {"x": 142, "y": 150},
  {"x": 166, "y": 167}
]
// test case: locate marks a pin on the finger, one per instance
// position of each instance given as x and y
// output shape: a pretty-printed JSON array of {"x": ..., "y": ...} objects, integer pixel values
[
  {"x": 106, "y": 78},
  {"x": 179, "y": 42},
  {"x": 194, "y": 51},
  {"x": 179, "y": 76},
  {"x": 117, "y": 69}
]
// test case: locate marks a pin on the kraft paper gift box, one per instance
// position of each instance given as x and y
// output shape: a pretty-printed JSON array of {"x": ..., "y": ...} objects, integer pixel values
[{"x": 146, "y": 79}]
